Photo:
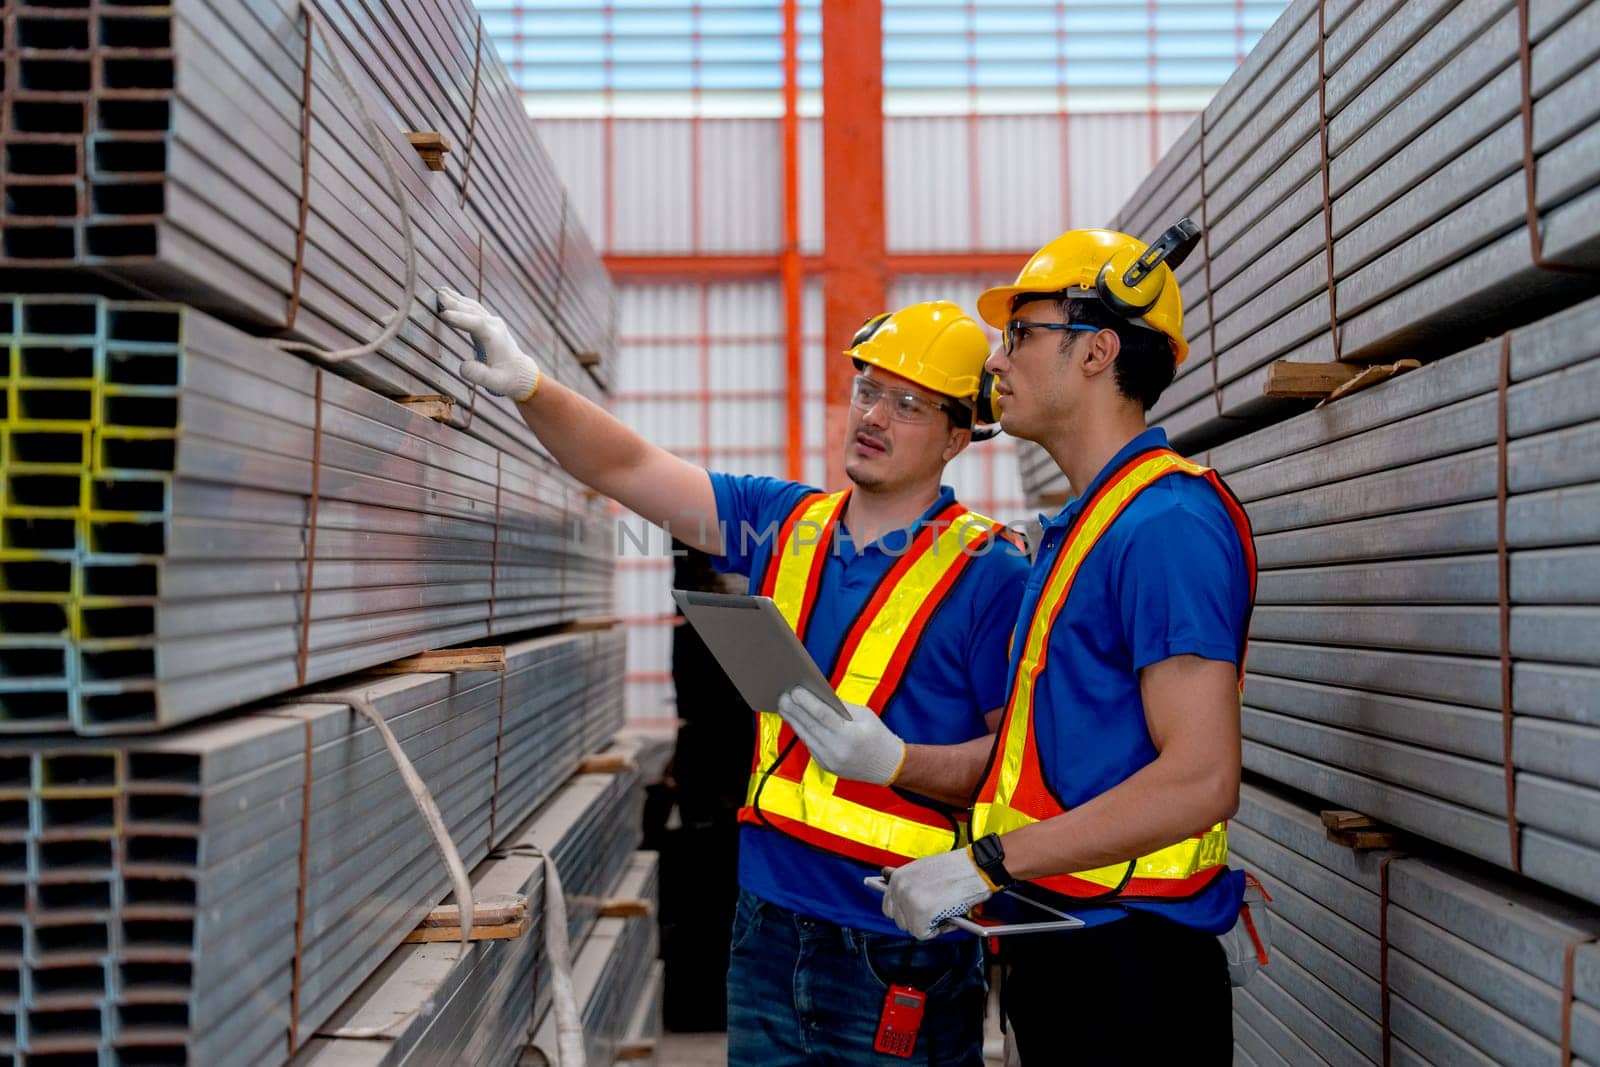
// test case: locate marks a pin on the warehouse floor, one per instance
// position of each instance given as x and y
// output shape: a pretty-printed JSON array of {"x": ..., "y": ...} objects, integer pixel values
[{"x": 692, "y": 1050}]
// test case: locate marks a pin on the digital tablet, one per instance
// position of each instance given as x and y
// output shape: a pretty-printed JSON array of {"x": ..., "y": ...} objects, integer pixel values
[
  {"x": 762, "y": 656},
  {"x": 1059, "y": 920}
]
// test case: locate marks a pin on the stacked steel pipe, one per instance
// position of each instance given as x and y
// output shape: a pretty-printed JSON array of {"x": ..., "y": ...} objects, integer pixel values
[
  {"x": 192, "y": 520},
  {"x": 216, "y": 892},
  {"x": 205, "y": 510},
  {"x": 1381, "y": 957},
  {"x": 1426, "y": 642},
  {"x": 1382, "y": 180},
  {"x": 444, "y": 1003},
  {"x": 131, "y": 152},
  {"x": 1402, "y": 146}
]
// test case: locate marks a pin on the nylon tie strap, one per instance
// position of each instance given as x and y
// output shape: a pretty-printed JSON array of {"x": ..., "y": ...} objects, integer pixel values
[
  {"x": 1568, "y": 993},
  {"x": 1529, "y": 163},
  {"x": 305, "y": 179},
  {"x": 298, "y": 966},
  {"x": 472, "y": 116},
  {"x": 569, "y": 1018},
  {"x": 472, "y": 390},
  {"x": 311, "y": 535},
  {"x": 1327, "y": 195},
  {"x": 1503, "y": 568},
  {"x": 1205, "y": 250},
  {"x": 1383, "y": 951}
]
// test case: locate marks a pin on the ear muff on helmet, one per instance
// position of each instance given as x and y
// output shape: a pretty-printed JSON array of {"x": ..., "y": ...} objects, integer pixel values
[
  {"x": 984, "y": 408},
  {"x": 985, "y": 411},
  {"x": 1130, "y": 285},
  {"x": 868, "y": 328}
]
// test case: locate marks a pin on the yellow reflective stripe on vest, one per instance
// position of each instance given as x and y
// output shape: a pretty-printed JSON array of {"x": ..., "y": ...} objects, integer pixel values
[
  {"x": 793, "y": 559},
  {"x": 1181, "y": 860},
  {"x": 812, "y": 800},
  {"x": 1066, "y": 569},
  {"x": 795, "y": 556},
  {"x": 882, "y": 637}
]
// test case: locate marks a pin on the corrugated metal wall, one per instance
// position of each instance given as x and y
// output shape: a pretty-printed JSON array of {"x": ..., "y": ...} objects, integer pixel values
[
  {"x": 701, "y": 372},
  {"x": 952, "y": 184}
]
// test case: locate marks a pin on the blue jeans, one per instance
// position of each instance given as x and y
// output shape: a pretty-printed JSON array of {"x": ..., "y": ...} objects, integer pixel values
[{"x": 804, "y": 991}]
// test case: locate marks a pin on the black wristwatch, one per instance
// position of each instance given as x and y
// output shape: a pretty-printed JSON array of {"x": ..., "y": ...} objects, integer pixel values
[{"x": 990, "y": 856}]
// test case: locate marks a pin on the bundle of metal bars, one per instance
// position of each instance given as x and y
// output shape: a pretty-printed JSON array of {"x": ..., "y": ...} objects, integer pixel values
[
  {"x": 1426, "y": 642},
  {"x": 1379, "y": 957},
  {"x": 209, "y": 152},
  {"x": 192, "y": 521},
  {"x": 616, "y": 977},
  {"x": 442, "y": 1003},
  {"x": 211, "y": 895},
  {"x": 1410, "y": 149}
]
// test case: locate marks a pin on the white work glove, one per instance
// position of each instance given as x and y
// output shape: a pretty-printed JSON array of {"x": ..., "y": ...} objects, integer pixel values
[
  {"x": 509, "y": 371},
  {"x": 860, "y": 748},
  {"x": 925, "y": 893}
]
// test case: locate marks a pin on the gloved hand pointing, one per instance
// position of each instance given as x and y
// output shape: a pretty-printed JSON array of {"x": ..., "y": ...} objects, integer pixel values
[
  {"x": 509, "y": 371},
  {"x": 925, "y": 893},
  {"x": 860, "y": 748}
]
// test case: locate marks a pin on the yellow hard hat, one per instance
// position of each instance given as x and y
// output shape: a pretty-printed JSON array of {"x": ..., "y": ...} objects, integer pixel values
[
  {"x": 1133, "y": 279},
  {"x": 935, "y": 344}
]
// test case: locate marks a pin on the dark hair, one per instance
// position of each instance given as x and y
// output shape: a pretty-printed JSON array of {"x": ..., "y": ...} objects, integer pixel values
[{"x": 1145, "y": 366}]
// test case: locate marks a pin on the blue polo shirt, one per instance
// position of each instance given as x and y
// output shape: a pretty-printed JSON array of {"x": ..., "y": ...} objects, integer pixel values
[
  {"x": 1168, "y": 578},
  {"x": 956, "y": 675}
]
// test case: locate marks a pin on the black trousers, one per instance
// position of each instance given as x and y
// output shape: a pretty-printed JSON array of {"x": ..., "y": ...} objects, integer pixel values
[{"x": 1141, "y": 987}]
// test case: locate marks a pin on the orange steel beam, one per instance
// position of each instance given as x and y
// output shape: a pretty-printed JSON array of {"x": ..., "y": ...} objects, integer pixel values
[
  {"x": 854, "y": 274},
  {"x": 723, "y": 268},
  {"x": 793, "y": 280}
]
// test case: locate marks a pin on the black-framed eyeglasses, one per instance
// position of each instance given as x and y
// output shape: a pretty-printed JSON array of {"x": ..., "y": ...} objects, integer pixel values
[
  {"x": 904, "y": 405},
  {"x": 1016, "y": 331}
]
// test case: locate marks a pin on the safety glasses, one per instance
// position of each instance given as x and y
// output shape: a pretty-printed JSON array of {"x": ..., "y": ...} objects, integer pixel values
[
  {"x": 1016, "y": 331},
  {"x": 904, "y": 406}
]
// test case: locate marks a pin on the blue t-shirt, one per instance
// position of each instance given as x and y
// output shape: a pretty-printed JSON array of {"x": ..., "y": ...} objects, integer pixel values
[
  {"x": 954, "y": 678},
  {"x": 1168, "y": 578}
]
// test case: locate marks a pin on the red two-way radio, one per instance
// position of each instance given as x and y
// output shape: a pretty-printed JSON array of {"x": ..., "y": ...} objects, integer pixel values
[{"x": 900, "y": 1021}]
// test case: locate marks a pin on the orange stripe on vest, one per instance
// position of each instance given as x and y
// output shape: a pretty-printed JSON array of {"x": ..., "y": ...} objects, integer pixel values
[
  {"x": 788, "y": 790},
  {"x": 1015, "y": 790}
]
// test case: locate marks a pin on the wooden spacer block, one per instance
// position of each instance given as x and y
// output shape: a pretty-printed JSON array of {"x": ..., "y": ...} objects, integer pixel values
[
  {"x": 589, "y": 624},
  {"x": 606, "y": 763},
  {"x": 1343, "y": 819},
  {"x": 1351, "y": 829},
  {"x": 626, "y": 908},
  {"x": 635, "y": 1050},
  {"x": 1307, "y": 381},
  {"x": 431, "y": 145},
  {"x": 1362, "y": 840},
  {"x": 1369, "y": 377},
  {"x": 448, "y": 661},
  {"x": 435, "y": 407},
  {"x": 500, "y": 918}
]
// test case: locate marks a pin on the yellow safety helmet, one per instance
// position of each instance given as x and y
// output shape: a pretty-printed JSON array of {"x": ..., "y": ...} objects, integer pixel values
[
  {"x": 1133, "y": 279},
  {"x": 935, "y": 344}
]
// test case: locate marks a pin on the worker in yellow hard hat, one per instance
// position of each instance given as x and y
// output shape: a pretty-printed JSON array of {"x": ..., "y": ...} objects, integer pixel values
[
  {"x": 891, "y": 585},
  {"x": 1118, "y": 760}
]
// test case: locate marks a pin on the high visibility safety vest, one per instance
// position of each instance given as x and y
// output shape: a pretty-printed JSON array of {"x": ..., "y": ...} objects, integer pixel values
[
  {"x": 1015, "y": 790},
  {"x": 791, "y": 792}
]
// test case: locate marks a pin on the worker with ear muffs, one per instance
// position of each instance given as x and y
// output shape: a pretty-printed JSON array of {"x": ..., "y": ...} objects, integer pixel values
[
  {"x": 1118, "y": 758},
  {"x": 893, "y": 587}
]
